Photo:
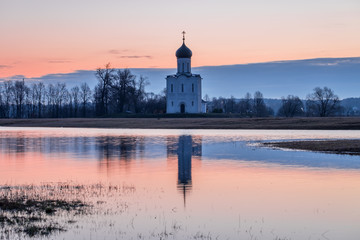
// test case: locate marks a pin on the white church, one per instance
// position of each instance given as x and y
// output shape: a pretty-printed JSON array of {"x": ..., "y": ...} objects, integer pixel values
[{"x": 183, "y": 89}]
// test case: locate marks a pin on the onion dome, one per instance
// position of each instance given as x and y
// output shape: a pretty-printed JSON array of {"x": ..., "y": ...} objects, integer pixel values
[{"x": 183, "y": 52}]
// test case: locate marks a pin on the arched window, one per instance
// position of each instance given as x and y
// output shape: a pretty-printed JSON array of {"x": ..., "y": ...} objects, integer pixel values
[
  {"x": 192, "y": 103},
  {"x": 172, "y": 103},
  {"x": 183, "y": 67},
  {"x": 188, "y": 67},
  {"x": 172, "y": 88},
  {"x": 192, "y": 87},
  {"x": 182, "y": 87}
]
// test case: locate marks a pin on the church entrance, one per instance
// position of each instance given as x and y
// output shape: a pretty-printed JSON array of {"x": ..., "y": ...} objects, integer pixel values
[{"x": 182, "y": 108}]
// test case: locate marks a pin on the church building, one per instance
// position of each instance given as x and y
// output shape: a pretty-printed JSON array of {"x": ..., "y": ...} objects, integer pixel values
[{"x": 183, "y": 89}]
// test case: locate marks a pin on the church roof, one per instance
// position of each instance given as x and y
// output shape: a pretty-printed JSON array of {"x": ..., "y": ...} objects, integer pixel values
[{"x": 183, "y": 52}]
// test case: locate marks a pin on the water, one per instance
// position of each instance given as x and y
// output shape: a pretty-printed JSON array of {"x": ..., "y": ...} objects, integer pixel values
[{"x": 192, "y": 184}]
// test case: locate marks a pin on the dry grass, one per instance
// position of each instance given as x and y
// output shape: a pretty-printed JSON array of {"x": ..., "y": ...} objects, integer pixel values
[
  {"x": 191, "y": 123},
  {"x": 351, "y": 147}
]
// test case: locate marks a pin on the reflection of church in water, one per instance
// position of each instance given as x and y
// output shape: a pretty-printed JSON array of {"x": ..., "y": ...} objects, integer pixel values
[
  {"x": 187, "y": 148},
  {"x": 120, "y": 152}
]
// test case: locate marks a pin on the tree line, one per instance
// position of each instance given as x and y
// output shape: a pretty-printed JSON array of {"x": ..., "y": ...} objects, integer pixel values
[
  {"x": 117, "y": 91},
  {"x": 322, "y": 102}
]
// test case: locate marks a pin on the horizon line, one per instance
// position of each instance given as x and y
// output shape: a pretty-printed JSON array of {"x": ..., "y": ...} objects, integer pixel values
[{"x": 163, "y": 68}]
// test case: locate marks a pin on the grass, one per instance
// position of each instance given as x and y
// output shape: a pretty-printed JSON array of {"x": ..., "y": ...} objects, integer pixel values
[
  {"x": 351, "y": 147},
  {"x": 25, "y": 214},
  {"x": 192, "y": 122},
  {"x": 33, "y": 230},
  {"x": 47, "y": 209},
  {"x": 35, "y": 216},
  {"x": 22, "y": 204}
]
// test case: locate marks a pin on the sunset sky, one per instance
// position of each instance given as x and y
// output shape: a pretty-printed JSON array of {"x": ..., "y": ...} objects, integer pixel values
[{"x": 39, "y": 37}]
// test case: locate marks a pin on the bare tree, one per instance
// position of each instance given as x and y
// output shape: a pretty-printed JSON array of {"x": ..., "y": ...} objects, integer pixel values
[
  {"x": 137, "y": 92},
  {"x": 8, "y": 97},
  {"x": 103, "y": 88},
  {"x": 40, "y": 93},
  {"x": 85, "y": 96},
  {"x": 122, "y": 84},
  {"x": 75, "y": 96},
  {"x": 230, "y": 105},
  {"x": 61, "y": 94},
  {"x": 245, "y": 106},
  {"x": 2, "y": 105},
  {"x": 31, "y": 101},
  {"x": 20, "y": 90},
  {"x": 50, "y": 97},
  {"x": 322, "y": 102},
  {"x": 156, "y": 103},
  {"x": 259, "y": 107},
  {"x": 291, "y": 106},
  {"x": 218, "y": 105}
]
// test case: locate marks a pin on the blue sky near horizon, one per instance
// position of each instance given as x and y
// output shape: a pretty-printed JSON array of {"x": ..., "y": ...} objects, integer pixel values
[{"x": 273, "y": 79}]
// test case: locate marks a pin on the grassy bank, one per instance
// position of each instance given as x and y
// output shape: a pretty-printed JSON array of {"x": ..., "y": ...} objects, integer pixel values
[
  {"x": 335, "y": 123},
  {"x": 351, "y": 147}
]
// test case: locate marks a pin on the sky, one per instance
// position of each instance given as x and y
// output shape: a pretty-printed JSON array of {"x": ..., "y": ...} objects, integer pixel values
[{"x": 40, "y": 37}]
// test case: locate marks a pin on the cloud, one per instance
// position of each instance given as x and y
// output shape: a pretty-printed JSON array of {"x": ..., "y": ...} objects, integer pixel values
[
  {"x": 115, "y": 51},
  {"x": 136, "y": 56},
  {"x": 59, "y": 61},
  {"x": 335, "y": 62},
  {"x": 5, "y": 66},
  {"x": 121, "y": 52}
]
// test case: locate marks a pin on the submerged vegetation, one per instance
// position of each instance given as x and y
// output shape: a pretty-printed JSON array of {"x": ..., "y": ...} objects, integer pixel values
[
  {"x": 43, "y": 211},
  {"x": 32, "y": 211},
  {"x": 35, "y": 210}
]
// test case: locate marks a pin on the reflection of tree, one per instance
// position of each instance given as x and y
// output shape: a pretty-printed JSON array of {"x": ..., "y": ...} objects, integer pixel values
[
  {"x": 117, "y": 148},
  {"x": 115, "y": 152}
]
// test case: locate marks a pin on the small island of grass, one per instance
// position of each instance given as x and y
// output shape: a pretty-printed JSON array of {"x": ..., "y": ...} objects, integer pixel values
[{"x": 343, "y": 146}]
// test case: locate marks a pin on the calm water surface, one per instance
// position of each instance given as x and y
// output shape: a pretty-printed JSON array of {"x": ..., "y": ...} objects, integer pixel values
[{"x": 193, "y": 184}]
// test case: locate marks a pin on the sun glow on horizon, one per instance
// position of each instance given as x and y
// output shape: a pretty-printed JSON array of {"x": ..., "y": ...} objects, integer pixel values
[{"x": 45, "y": 37}]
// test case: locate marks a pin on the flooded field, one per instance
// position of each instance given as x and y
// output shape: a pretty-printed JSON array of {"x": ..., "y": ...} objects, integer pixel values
[{"x": 174, "y": 184}]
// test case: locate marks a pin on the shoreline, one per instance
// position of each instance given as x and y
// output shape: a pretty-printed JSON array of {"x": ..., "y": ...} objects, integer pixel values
[
  {"x": 331, "y": 123},
  {"x": 339, "y": 146}
]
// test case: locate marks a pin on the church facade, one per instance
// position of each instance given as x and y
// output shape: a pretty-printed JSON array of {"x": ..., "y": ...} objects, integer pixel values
[{"x": 183, "y": 89}]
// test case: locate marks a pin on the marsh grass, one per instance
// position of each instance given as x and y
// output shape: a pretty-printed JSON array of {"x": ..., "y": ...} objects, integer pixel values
[
  {"x": 42, "y": 210},
  {"x": 340, "y": 146}
]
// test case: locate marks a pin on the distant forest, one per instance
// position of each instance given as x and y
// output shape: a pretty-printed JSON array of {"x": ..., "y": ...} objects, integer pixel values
[{"x": 119, "y": 92}]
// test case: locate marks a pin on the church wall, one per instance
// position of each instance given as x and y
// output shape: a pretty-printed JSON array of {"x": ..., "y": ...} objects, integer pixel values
[{"x": 177, "y": 96}]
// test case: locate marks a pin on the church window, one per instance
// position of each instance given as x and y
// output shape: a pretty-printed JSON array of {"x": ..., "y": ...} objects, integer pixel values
[
  {"x": 182, "y": 87},
  {"x": 183, "y": 67},
  {"x": 172, "y": 88},
  {"x": 172, "y": 103},
  {"x": 192, "y": 103},
  {"x": 192, "y": 87}
]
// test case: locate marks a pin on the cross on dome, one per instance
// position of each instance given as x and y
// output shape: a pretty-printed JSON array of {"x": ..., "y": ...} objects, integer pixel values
[
  {"x": 183, "y": 33},
  {"x": 183, "y": 51}
]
